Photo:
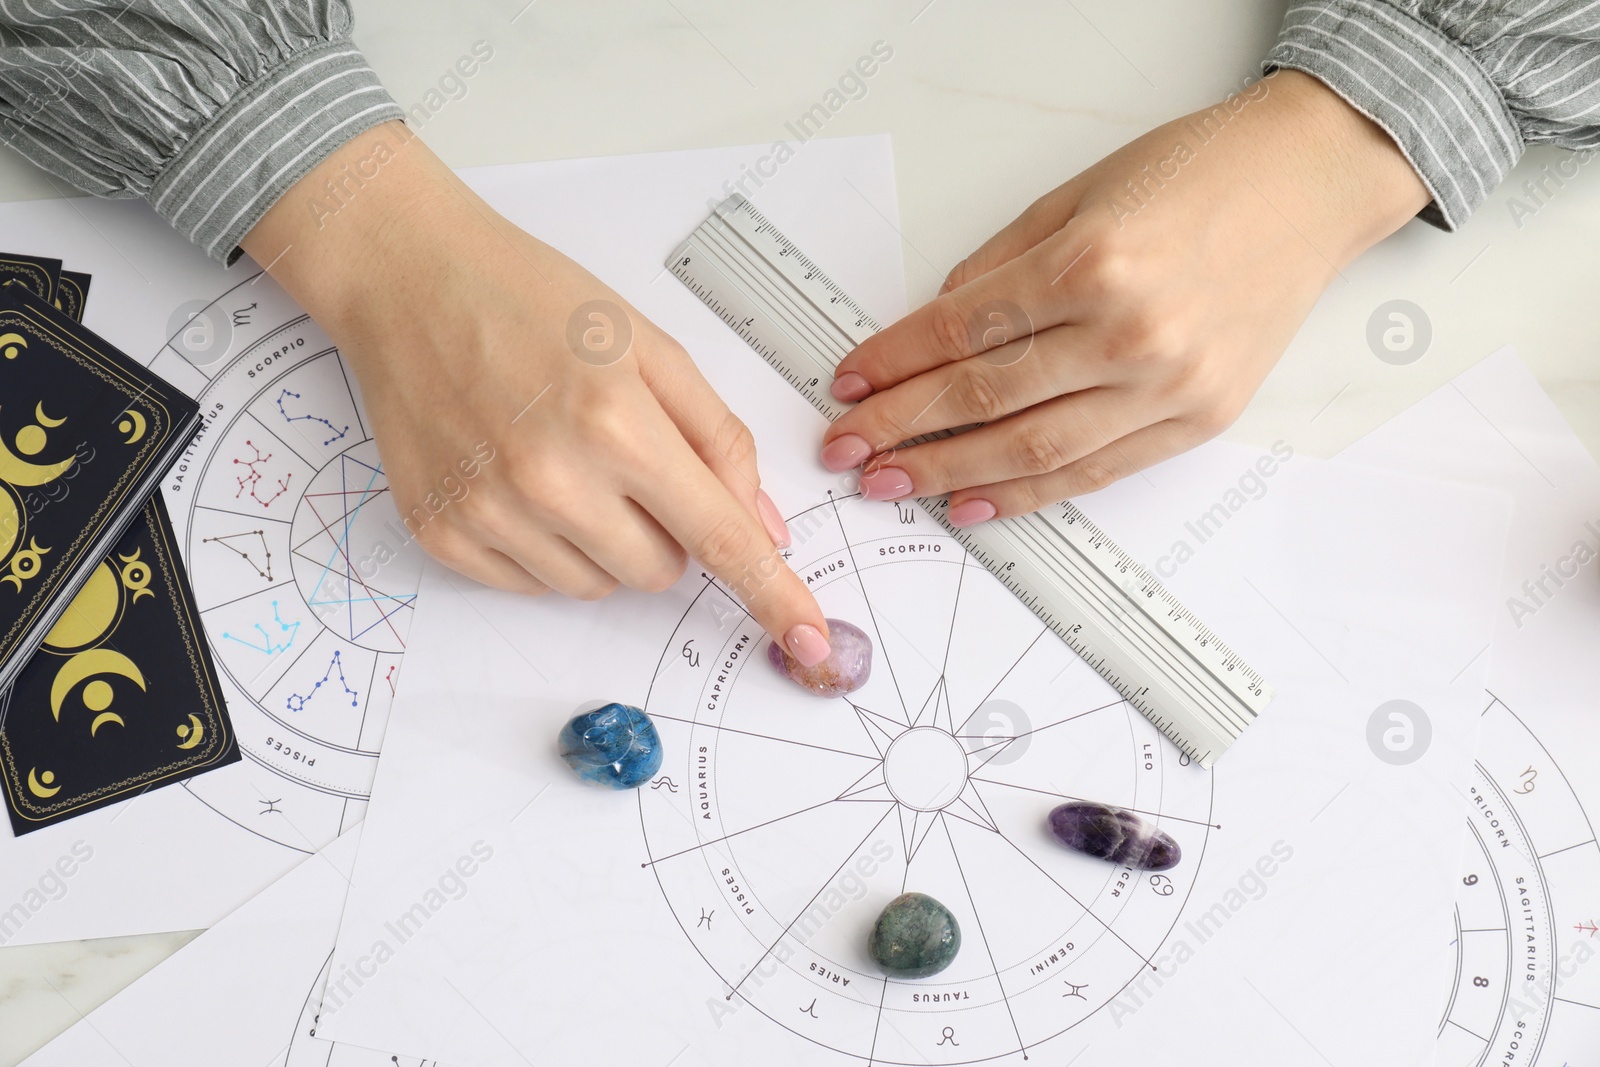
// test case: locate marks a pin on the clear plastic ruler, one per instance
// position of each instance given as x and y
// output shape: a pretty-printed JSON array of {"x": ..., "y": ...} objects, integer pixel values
[{"x": 1093, "y": 595}]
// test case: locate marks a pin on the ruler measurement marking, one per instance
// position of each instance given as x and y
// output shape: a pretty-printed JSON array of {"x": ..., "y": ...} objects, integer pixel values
[{"x": 1096, "y": 598}]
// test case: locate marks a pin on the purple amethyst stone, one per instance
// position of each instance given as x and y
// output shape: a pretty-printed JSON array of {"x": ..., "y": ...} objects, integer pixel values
[
  {"x": 846, "y": 669},
  {"x": 1114, "y": 834}
]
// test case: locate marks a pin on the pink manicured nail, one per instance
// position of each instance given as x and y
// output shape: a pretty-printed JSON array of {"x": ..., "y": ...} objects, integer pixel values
[
  {"x": 886, "y": 483},
  {"x": 806, "y": 644},
  {"x": 850, "y": 387},
  {"x": 776, "y": 529},
  {"x": 971, "y": 512},
  {"x": 845, "y": 452}
]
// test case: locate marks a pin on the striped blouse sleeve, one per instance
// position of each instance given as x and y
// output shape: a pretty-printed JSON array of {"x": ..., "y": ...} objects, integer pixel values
[
  {"x": 1461, "y": 85},
  {"x": 208, "y": 109}
]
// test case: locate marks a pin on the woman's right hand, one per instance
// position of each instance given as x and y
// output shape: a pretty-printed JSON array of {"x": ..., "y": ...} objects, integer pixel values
[{"x": 610, "y": 458}]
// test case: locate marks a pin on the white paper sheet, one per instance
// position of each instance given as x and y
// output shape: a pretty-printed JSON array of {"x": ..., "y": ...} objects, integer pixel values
[
  {"x": 309, "y": 650},
  {"x": 1524, "y": 987},
  {"x": 246, "y": 992},
  {"x": 721, "y": 911}
]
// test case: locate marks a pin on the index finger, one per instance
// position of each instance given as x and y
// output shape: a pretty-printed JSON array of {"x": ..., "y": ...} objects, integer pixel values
[
  {"x": 692, "y": 505},
  {"x": 1011, "y": 302}
]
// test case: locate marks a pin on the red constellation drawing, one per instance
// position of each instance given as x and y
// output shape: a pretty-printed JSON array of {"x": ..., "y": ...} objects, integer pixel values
[{"x": 252, "y": 479}]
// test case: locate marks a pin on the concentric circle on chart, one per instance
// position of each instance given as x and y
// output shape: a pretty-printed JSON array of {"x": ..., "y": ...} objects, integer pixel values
[
  {"x": 783, "y": 822},
  {"x": 304, "y": 573}
]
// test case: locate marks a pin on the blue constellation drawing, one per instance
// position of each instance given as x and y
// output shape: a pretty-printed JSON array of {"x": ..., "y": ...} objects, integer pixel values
[
  {"x": 267, "y": 646},
  {"x": 297, "y": 703},
  {"x": 338, "y": 434}
]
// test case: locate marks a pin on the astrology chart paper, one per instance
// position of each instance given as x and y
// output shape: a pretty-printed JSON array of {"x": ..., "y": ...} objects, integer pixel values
[
  {"x": 248, "y": 988},
  {"x": 303, "y": 572},
  {"x": 1524, "y": 985},
  {"x": 720, "y": 911}
]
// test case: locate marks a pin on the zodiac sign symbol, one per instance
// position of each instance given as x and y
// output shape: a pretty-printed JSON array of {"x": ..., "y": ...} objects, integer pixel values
[
  {"x": 907, "y": 513},
  {"x": 252, "y": 477},
  {"x": 296, "y": 702},
  {"x": 705, "y": 917},
  {"x": 1075, "y": 990},
  {"x": 245, "y": 554},
  {"x": 337, "y": 433},
  {"x": 267, "y": 647},
  {"x": 241, "y": 317},
  {"x": 1527, "y": 785},
  {"x": 1588, "y": 928},
  {"x": 690, "y": 654},
  {"x": 271, "y": 807},
  {"x": 672, "y": 787},
  {"x": 948, "y": 1035},
  {"x": 810, "y": 1009}
]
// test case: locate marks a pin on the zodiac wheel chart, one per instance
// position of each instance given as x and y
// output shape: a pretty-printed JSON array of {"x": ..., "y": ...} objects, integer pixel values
[
  {"x": 1524, "y": 989},
  {"x": 782, "y": 822},
  {"x": 305, "y": 576}
]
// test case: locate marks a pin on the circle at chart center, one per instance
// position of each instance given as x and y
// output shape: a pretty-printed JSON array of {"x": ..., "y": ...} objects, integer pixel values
[{"x": 925, "y": 768}]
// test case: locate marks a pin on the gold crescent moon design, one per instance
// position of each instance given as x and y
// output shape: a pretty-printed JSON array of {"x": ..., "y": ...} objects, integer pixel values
[
  {"x": 11, "y": 344},
  {"x": 25, "y": 564},
  {"x": 192, "y": 732},
  {"x": 103, "y": 718},
  {"x": 40, "y": 789},
  {"x": 92, "y": 613},
  {"x": 133, "y": 425},
  {"x": 10, "y": 524},
  {"x": 86, "y": 665},
  {"x": 18, "y": 471},
  {"x": 45, "y": 420}
]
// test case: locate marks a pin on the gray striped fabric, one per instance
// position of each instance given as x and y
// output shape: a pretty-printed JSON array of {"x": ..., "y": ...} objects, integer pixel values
[
  {"x": 1461, "y": 85},
  {"x": 210, "y": 109}
]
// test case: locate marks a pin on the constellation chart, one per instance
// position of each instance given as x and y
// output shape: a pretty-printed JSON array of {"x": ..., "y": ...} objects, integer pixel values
[
  {"x": 1526, "y": 986},
  {"x": 297, "y": 702},
  {"x": 337, "y": 432},
  {"x": 250, "y": 481},
  {"x": 286, "y": 470},
  {"x": 906, "y": 784},
  {"x": 256, "y": 554}
]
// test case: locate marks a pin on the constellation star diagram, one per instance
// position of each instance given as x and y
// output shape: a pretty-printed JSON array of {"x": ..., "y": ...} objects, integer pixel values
[
  {"x": 268, "y": 647},
  {"x": 338, "y": 434},
  {"x": 252, "y": 479},
  {"x": 297, "y": 702},
  {"x": 226, "y": 541}
]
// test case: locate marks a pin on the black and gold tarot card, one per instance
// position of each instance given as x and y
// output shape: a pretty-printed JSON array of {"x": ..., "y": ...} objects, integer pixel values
[
  {"x": 72, "y": 293},
  {"x": 85, "y": 434},
  {"x": 123, "y": 694},
  {"x": 180, "y": 677},
  {"x": 37, "y": 275}
]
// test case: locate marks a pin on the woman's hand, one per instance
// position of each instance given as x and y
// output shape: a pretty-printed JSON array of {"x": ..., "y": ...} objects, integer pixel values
[
  {"x": 597, "y": 453},
  {"x": 1128, "y": 315}
]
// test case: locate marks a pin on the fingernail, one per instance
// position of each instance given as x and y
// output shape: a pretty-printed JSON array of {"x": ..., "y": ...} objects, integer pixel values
[
  {"x": 850, "y": 386},
  {"x": 806, "y": 644},
  {"x": 971, "y": 512},
  {"x": 886, "y": 483},
  {"x": 776, "y": 529},
  {"x": 845, "y": 452}
]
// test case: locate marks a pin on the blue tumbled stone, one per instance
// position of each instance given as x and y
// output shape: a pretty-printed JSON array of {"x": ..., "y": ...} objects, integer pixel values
[{"x": 615, "y": 746}]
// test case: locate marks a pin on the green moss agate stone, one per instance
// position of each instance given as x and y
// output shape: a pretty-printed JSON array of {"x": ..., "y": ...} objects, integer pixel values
[{"x": 916, "y": 936}]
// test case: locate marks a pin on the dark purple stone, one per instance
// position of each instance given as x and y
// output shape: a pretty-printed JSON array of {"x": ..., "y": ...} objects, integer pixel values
[
  {"x": 846, "y": 669},
  {"x": 1114, "y": 834}
]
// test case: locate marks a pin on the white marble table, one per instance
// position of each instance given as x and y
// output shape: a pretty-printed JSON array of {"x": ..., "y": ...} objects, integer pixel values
[{"x": 990, "y": 104}]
